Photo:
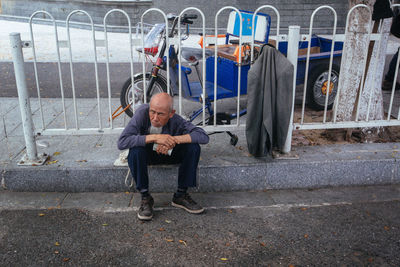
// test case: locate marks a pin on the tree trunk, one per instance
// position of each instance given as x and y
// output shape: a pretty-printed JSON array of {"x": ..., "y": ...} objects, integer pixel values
[
  {"x": 373, "y": 81},
  {"x": 354, "y": 54}
]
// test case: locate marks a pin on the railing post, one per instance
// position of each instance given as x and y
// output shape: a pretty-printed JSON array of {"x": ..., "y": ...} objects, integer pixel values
[
  {"x": 292, "y": 56},
  {"x": 31, "y": 157}
]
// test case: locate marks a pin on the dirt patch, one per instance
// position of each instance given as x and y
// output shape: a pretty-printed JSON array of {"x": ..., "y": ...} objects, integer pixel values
[{"x": 339, "y": 136}]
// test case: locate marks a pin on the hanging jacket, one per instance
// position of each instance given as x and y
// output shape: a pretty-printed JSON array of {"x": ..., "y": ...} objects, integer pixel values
[{"x": 269, "y": 102}]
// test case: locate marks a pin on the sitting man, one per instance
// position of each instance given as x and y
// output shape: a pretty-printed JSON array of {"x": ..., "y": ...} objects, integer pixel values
[{"x": 156, "y": 135}]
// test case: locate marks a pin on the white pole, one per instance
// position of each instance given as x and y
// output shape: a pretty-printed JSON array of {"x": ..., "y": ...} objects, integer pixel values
[
  {"x": 292, "y": 56},
  {"x": 23, "y": 96}
]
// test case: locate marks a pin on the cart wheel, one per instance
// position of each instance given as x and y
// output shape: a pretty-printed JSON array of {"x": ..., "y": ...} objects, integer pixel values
[
  {"x": 317, "y": 86},
  {"x": 234, "y": 140},
  {"x": 135, "y": 95}
]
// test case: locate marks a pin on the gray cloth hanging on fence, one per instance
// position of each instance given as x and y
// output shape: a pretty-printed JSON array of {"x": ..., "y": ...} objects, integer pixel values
[{"x": 269, "y": 102}]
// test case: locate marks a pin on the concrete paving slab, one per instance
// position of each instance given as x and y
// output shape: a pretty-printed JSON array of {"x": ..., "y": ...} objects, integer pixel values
[
  {"x": 29, "y": 200},
  {"x": 98, "y": 201},
  {"x": 11, "y": 148},
  {"x": 8, "y": 104}
]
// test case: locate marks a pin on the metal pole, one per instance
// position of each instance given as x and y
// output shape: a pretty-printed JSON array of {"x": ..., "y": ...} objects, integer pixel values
[
  {"x": 292, "y": 55},
  {"x": 23, "y": 97}
]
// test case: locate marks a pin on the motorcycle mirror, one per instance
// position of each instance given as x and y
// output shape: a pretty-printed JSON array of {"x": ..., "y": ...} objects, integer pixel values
[{"x": 171, "y": 16}]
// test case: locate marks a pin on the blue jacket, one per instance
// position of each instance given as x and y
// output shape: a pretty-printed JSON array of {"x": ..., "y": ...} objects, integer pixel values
[{"x": 138, "y": 127}]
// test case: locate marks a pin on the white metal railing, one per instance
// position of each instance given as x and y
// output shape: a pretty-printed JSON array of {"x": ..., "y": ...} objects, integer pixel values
[
  {"x": 356, "y": 122},
  {"x": 293, "y": 39}
]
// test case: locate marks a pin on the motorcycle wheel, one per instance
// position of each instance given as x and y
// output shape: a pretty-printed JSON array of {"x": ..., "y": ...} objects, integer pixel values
[{"x": 134, "y": 93}]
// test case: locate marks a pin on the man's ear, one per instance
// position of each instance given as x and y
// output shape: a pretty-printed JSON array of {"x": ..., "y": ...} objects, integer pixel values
[{"x": 171, "y": 114}]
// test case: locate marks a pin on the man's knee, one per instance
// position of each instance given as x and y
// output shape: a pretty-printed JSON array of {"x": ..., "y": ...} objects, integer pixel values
[
  {"x": 136, "y": 153},
  {"x": 193, "y": 149}
]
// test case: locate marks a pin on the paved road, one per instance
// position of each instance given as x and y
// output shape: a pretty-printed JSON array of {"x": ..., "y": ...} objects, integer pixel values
[
  {"x": 357, "y": 226},
  {"x": 84, "y": 76}
]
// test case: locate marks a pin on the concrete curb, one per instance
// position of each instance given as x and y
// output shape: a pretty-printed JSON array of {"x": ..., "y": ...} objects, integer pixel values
[{"x": 344, "y": 165}]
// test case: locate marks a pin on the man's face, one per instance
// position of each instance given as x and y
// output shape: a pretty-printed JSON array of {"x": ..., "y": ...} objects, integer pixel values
[{"x": 160, "y": 113}]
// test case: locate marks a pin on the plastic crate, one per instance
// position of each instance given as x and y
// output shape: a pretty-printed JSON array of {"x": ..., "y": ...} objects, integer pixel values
[{"x": 227, "y": 75}]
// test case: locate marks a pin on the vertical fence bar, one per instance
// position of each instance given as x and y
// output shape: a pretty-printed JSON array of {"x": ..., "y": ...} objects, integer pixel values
[
  {"x": 204, "y": 61},
  {"x": 58, "y": 64},
  {"x": 108, "y": 56},
  {"x": 23, "y": 96},
  {"x": 292, "y": 56},
  {"x": 308, "y": 62},
  {"x": 35, "y": 68},
  {"x": 144, "y": 55},
  {"x": 278, "y": 22},
  {"x": 216, "y": 61}
]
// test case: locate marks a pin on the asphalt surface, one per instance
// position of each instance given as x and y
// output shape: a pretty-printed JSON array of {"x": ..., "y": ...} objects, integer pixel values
[
  {"x": 84, "y": 77},
  {"x": 305, "y": 232}
]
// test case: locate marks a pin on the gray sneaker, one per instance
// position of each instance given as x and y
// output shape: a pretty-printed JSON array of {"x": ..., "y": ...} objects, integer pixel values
[
  {"x": 187, "y": 203},
  {"x": 146, "y": 209}
]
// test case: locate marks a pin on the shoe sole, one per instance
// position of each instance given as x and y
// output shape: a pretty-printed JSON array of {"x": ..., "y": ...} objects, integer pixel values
[
  {"x": 145, "y": 218},
  {"x": 188, "y": 210}
]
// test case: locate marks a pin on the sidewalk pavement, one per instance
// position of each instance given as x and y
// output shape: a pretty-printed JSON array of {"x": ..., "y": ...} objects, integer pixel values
[{"x": 86, "y": 163}]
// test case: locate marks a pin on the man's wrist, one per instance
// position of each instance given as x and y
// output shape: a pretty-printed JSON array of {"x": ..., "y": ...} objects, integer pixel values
[{"x": 151, "y": 138}]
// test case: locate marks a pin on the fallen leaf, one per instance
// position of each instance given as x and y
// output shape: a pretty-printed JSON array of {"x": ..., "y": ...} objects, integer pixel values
[
  {"x": 58, "y": 207},
  {"x": 146, "y": 235},
  {"x": 303, "y": 209},
  {"x": 387, "y": 228},
  {"x": 56, "y": 244},
  {"x": 370, "y": 259},
  {"x": 227, "y": 244},
  {"x": 66, "y": 259},
  {"x": 56, "y": 153},
  {"x": 262, "y": 244},
  {"x": 306, "y": 236},
  {"x": 291, "y": 265},
  {"x": 230, "y": 211},
  {"x": 358, "y": 157},
  {"x": 161, "y": 229},
  {"x": 167, "y": 221},
  {"x": 224, "y": 259},
  {"x": 41, "y": 214},
  {"x": 82, "y": 160},
  {"x": 183, "y": 242},
  {"x": 127, "y": 192},
  {"x": 52, "y": 162},
  {"x": 105, "y": 224},
  {"x": 169, "y": 240}
]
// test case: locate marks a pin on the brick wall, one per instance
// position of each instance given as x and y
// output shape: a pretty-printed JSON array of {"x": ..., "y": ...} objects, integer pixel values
[{"x": 293, "y": 12}]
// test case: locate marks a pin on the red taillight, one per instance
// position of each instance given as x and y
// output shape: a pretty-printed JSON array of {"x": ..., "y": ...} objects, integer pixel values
[{"x": 151, "y": 50}]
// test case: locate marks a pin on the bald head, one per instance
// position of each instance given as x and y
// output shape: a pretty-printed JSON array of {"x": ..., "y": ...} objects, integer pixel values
[
  {"x": 162, "y": 99},
  {"x": 161, "y": 109}
]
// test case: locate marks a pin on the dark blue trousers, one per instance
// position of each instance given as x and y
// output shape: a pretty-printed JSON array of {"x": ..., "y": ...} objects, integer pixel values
[{"x": 187, "y": 155}]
